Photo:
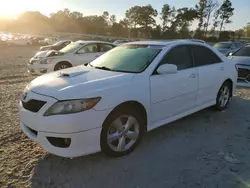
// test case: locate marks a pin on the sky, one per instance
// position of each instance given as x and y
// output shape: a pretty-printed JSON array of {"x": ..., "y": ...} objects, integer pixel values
[{"x": 90, "y": 7}]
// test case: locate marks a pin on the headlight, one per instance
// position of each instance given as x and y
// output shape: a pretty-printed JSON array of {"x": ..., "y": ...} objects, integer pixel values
[
  {"x": 72, "y": 106},
  {"x": 46, "y": 61}
]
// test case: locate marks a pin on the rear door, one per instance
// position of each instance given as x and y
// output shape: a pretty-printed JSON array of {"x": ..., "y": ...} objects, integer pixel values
[{"x": 211, "y": 73}]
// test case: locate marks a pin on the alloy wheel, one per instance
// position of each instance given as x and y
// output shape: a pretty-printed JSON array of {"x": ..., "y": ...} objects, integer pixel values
[
  {"x": 224, "y": 96},
  {"x": 123, "y": 133}
]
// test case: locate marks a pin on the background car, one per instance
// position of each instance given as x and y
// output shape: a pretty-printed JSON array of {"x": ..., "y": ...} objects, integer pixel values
[
  {"x": 74, "y": 54},
  {"x": 227, "y": 47},
  {"x": 56, "y": 46},
  {"x": 242, "y": 57},
  {"x": 119, "y": 42}
]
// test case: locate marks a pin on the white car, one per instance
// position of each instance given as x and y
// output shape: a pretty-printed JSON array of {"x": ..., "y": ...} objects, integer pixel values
[
  {"x": 74, "y": 54},
  {"x": 136, "y": 87}
]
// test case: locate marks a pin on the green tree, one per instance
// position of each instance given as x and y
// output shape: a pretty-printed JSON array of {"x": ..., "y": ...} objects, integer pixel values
[
  {"x": 225, "y": 12},
  {"x": 210, "y": 7},
  {"x": 167, "y": 15},
  {"x": 146, "y": 18},
  {"x": 185, "y": 16},
  {"x": 202, "y": 14}
]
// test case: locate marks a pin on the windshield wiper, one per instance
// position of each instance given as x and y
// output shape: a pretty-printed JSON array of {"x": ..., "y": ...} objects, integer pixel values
[{"x": 103, "y": 68}]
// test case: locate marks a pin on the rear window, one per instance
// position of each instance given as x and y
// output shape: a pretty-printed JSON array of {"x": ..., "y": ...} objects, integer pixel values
[{"x": 204, "y": 56}]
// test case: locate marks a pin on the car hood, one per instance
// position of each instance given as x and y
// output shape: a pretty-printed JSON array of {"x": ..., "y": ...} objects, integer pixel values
[
  {"x": 48, "y": 53},
  {"x": 241, "y": 60},
  {"x": 78, "y": 82},
  {"x": 47, "y": 47},
  {"x": 42, "y": 53}
]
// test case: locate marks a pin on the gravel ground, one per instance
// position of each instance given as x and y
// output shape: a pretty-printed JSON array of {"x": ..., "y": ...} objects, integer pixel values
[{"x": 208, "y": 149}]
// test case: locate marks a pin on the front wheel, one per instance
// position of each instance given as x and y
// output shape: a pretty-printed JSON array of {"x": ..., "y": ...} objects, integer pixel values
[
  {"x": 62, "y": 65},
  {"x": 121, "y": 132},
  {"x": 223, "y": 96}
]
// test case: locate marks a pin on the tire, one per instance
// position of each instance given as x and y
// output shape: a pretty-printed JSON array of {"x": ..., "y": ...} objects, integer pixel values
[
  {"x": 123, "y": 140},
  {"x": 62, "y": 65},
  {"x": 224, "y": 96}
]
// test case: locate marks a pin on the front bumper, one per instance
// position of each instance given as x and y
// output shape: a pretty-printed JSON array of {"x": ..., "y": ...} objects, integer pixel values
[
  {"x": 243, "y": 75},
  {"x": 82, "y": 143},
  {"x": 39, "y": 69},
  {"x": 83, "y": 129}
]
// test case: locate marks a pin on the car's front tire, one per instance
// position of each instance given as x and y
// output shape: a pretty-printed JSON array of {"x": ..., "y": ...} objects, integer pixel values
[
  {"x": 62, "y": 65},
  {"x": 121, "y": 132},
  {"x": 224, "y": 96}
]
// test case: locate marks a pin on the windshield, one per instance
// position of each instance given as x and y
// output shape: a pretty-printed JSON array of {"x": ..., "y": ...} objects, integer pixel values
[
  {"x": 245, "y": 51},
  {"x": 223, "y": 45},
  {"x": 58, "y": 43},
  {"x": 127, "y": 58},
  {"x": 71, "y": 48}
]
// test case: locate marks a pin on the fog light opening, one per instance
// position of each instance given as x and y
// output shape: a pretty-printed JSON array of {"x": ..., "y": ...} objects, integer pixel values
[{"x": 59, "y": 142}]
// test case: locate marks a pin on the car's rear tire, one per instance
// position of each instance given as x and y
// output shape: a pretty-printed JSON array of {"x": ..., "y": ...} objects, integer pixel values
[
  {"x": 122, "y": 131},
  {"x": 62, "y": 65},
  {"x": 224, "y": 96}
]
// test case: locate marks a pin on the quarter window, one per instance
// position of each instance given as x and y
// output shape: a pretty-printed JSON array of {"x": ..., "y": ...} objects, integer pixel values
[
  {"x": 204, "y": 56},
  {"x": 179, "y": 56}
]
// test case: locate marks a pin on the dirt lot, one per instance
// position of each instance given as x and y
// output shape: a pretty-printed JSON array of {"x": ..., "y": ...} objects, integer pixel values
[{"x": 208, "y": 149}]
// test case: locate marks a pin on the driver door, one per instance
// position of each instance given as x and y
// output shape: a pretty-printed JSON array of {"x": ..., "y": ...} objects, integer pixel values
[
  {"x": 87, "y": 54},
  {"x": 173, "y": 94}
]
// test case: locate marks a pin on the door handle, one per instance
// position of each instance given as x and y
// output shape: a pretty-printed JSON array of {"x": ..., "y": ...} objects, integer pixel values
[
  {"x": 222, "y": 68},
  {"x": 192, "y": 76}
]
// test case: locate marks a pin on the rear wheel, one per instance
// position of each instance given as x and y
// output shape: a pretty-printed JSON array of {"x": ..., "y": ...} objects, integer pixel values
[
  {"x": 121, "y": 132},
  {"x": 224, "y": 96},
  {"x": 62, "y": 65}
]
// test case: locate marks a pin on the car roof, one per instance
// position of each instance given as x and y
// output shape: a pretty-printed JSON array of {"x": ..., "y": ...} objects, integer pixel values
[
  {"x": 92, "y": 41},
  {"x": 165, "y": 43}
]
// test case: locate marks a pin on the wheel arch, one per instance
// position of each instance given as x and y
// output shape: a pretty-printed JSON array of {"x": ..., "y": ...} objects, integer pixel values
[
  {"x": 63, "y": 61},
  {"x": 135, "y": 105}
]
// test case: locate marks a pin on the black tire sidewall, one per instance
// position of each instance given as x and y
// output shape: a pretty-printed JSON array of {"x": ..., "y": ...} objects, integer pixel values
[
  {"x": 114, "y": 115},
  {"x": 58, "y": 65}
]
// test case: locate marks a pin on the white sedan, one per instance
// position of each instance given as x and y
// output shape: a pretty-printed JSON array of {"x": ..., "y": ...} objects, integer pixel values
[
  {"x": 74, "y": 54},
  {"x": 134, "y": 88}
]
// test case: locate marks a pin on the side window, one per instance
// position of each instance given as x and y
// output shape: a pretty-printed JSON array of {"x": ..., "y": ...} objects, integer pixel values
[
  {"x": 105, "y": 47},
  {"x": 90, "y": 48},
  {"x": 179, "y": 56},
  {"x": 204, "y": 56}
]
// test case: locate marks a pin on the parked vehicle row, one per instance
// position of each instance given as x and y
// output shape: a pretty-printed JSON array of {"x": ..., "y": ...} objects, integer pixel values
[
  {"x": 112, "y": 102},
  {"x": 228, "y": 47},
  {"x": 74, "y": 54}
]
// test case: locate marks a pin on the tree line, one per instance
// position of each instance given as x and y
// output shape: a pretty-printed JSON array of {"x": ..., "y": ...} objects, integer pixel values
[{"x": 139, "y": 22}]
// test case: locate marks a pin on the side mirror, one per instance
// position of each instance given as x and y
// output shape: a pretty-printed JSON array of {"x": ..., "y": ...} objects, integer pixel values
[{"x": 167, "y": 69}]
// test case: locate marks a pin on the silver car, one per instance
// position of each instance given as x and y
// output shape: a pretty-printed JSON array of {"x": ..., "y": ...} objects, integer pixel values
[
  {"x": 242, "y": 57},
  {"x": 227, "y": 47}
]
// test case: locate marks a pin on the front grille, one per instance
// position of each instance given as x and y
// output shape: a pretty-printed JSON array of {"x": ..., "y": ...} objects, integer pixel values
[
  {"x": 33, "y": 105},
  {"x": 243, "y": 73}
]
